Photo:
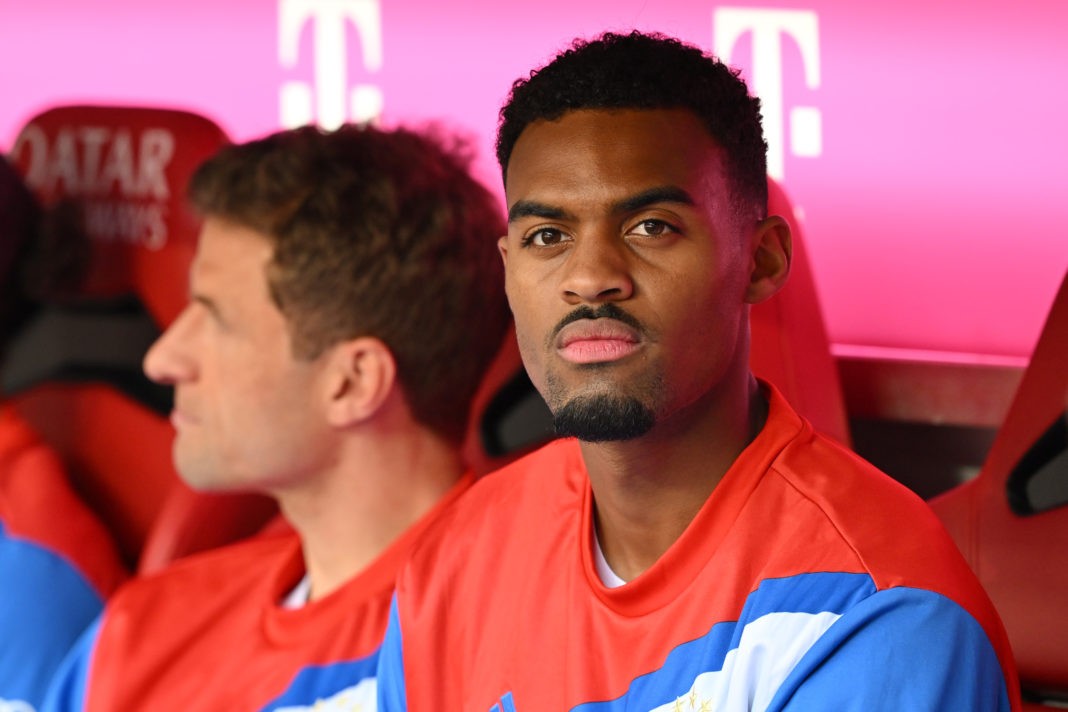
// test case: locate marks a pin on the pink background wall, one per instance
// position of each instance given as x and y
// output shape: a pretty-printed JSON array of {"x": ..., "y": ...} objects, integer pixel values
[{"x": 931, "y": 174}]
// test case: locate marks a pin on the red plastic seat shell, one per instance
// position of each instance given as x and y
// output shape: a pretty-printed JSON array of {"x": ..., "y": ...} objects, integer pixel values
[{"x": 1023, "y": 560}]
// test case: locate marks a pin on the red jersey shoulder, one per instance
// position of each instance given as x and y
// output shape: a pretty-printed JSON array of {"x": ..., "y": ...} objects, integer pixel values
[
  {"x": 886, "y": 523},
  {"x": 523, "y": 483},
  {"x": 210, "y": 579},
  {"x": 502, "y": 500},
  {"x": 895, "y": 534}
]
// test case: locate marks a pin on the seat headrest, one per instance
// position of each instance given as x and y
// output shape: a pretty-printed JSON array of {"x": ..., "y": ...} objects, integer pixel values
[
  {"x": 1041, "y": 399},
  {"x": 125, "y": 171},
  {"x": 790, "y": 346}
]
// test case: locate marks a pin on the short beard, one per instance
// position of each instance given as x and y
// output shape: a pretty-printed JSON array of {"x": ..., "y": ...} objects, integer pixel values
[{"x": 602, "y": 417}]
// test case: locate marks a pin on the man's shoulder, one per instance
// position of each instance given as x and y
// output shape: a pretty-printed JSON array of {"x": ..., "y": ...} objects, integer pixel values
[
  {"x": 214, "y": 579},
  {"x": 863, "y": 503},
  {"x": 894, "y": 535},
  {"x": 504, "y": 502},
  {"x": 835, "y": 487},
  {"x": 550, "y": 468}
]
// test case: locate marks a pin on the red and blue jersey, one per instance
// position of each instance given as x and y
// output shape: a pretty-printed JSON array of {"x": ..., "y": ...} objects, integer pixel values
[
  {"x": 807, "y": 581},
  {"x": 57, "y": 565},
  {"x": 210, "y": 632}
]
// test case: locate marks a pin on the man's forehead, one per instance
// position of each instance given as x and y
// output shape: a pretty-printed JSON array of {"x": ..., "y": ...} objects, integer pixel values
[
  {"x": 632, "y": 202},
  {"x": 611, "y": 156},
  {"x": 227, "y": 251},
  {"x": 660, "y": 125}
]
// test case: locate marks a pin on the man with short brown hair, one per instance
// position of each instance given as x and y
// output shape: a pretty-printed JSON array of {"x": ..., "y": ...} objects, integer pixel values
[{"x": 345, "y": 302}]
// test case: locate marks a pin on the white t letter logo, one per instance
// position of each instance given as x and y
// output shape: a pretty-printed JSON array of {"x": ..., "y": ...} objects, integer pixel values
[
  {"x": 767, "y": 26},
  {"x": 333, "y": 104}
]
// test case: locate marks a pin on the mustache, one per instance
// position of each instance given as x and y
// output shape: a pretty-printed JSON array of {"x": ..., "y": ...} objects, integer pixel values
[{"x": 607, "y": 310}]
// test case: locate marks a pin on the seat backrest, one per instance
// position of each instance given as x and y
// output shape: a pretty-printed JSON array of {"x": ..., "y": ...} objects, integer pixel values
[
  {"x": 789, "y": 348},
  {"x": 1011, "y": 521},
  {"x": 37, "y": 505},
  {"x": 19, "y": 215},
  {"x": 58, "y": 564},
  {"x": 125, "y": 170},
  {"x": 74, "y": 372},
  {"x": 497, "y": 432}
]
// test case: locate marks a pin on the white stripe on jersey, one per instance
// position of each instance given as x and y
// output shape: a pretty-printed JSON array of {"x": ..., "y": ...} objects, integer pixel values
[
  {"x": 361, "y": 697},
  {"x": 768, "y": 650}
]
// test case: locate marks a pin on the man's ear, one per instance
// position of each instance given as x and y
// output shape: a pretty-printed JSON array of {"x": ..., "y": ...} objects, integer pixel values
[
  {"x": 361, "y": 376},
  {"x": 772, "y": 250},
  {"x": 502, "y": 247}
]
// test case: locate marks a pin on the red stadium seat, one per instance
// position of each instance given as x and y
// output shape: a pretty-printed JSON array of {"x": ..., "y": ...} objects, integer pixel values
[
  {"x": 790, "y": 348},
  {"x": 1011, "y": 521},
  {"x": 508, "y": 417},
  {"x": 74, "y": 371},
  {"x": 36, "y": 503}
]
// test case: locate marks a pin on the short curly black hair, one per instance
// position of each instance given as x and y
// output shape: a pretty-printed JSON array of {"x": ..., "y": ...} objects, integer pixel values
[{"x": 646, "y": 71}]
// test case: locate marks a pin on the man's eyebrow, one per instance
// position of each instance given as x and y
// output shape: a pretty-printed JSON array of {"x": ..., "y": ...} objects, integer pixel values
[
  {"x": 662, "y": 194},
  {"x": 207, "y": 302},
  {"x": 534, "y": 209}
]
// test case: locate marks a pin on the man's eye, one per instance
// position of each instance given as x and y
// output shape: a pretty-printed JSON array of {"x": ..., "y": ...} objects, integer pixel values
[
  {"x": 544, "y": 237},
  {"x": 652, "y": 228}
]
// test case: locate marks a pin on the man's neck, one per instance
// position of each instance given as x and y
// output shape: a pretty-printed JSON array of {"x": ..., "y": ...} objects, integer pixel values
[
  {"x": 380, "y": 486},
  {"x": 647, "y": 491}
]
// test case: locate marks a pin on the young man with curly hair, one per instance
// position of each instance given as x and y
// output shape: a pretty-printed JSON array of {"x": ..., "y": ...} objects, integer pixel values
[
  {"x": 345, "y": 300},
  {"x": 694, "y": 545}
]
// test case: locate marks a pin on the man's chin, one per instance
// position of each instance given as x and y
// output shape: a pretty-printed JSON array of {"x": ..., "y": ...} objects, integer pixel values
[
  {"x": 603, "y": 418},
  {"x": 197, "y": 474}
]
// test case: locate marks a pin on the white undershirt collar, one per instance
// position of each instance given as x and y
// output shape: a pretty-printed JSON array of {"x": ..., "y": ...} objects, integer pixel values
[
  {"x": 604, "y": 571},
  {"x": 299, "y": 596}
]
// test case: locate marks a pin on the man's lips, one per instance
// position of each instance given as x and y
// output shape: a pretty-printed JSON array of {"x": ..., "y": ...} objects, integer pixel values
[
  {"x": 181, "y": 418},
  {"x": 596, "y": 341}
]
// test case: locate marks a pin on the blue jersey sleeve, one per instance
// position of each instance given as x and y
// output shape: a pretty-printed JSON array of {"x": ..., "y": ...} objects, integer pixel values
[
  {"x": 343, "y": 685},
  {"x": 392, "y": 696},
  {"x": 45, "y": 605},
  {"x": 67, "y": 693},
  {"x": 901, "y": 649}
]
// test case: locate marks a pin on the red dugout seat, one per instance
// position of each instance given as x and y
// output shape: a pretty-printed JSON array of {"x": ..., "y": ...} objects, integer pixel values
[
  {"x": 790, "y": 348},
  {"x": 1011, "y": 521},
  {"x": 74, "y": 372},
  {"x": 36, "y": 503}
]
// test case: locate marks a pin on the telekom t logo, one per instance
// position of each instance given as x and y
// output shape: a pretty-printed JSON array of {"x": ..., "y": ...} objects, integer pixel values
[
  {"x": 329, "y": 101},
  {"x": 767, "y": 28}
]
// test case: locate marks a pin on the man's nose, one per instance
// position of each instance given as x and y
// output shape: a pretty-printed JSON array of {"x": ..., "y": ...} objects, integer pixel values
[
  {"x": 169, "y": 360},
  {"x": 598, "y": 269}
]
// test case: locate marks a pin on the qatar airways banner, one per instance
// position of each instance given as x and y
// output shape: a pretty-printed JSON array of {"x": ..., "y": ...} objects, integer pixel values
[{"x": 923, "y": 141}]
